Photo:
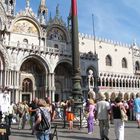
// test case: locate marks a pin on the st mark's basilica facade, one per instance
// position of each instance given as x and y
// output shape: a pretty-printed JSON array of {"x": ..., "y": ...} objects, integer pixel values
[{"x": 36, "y": 58}]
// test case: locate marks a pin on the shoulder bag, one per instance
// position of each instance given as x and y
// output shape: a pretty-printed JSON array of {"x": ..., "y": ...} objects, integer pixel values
[
  {"x": 44, "y": 124},
  {"x": 124, "y": 117}
]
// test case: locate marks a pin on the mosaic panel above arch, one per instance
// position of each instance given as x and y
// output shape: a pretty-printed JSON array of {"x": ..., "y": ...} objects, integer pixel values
[
  {"x": 56, "y": 34},
  {"x": 25, "y": 27}
]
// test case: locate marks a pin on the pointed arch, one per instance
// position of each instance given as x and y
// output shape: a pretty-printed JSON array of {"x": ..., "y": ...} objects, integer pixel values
[
  {"x": 137, "y": 65},
  {"x": 108, "y": 60},
  {"x": 124, "y": 63}
]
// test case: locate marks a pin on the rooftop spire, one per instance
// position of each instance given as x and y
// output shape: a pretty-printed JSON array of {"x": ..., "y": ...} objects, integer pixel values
[
  {"x": 27, "y": 3},
  {"x": 57, "y": 10},
  {"x": 50, "y": 16}
]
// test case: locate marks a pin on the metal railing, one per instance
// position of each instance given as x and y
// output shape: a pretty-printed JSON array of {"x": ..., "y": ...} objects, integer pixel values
[{"x": 61, "y": 114}]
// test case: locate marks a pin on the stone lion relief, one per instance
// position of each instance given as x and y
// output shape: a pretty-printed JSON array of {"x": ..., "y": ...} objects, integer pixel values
[{"x": 25, "y": 27}]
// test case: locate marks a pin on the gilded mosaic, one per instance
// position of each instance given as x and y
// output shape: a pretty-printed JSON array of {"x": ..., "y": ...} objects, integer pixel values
[{"x": 25, "y": 27}]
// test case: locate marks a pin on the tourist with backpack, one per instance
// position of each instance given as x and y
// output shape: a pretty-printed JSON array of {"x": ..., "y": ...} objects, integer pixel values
[{"x": 42, "y": 127}]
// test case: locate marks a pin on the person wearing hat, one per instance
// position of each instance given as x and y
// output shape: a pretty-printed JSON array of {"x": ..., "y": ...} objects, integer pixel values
[
  {"x": 90, "y": 116},
  {"x": 102, "y": 111}
]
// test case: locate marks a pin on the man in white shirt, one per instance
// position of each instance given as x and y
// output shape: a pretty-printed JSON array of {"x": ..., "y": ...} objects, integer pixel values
[{"x": 102, "y": 110}]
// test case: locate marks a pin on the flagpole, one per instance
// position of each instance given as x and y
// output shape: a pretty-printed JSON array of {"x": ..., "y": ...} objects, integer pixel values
[{"x": 93, "y": 26}]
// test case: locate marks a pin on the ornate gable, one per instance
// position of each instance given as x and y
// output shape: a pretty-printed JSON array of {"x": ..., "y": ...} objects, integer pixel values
[
  {"x": 57, "y": 21},
  {"x": 27, "y": 12}
]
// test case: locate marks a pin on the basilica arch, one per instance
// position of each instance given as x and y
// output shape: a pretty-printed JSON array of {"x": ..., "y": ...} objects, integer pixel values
[
  {"x": 33, "y": 79},
  {"x": 63, "y": 83}
]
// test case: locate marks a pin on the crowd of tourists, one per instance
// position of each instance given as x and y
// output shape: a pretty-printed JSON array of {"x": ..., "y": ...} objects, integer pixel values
[
  {"x": 117, "y": 112},
  {"x": 101, "y": 110}
]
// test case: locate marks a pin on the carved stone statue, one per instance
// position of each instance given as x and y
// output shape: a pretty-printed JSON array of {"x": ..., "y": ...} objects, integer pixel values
[
  {"x": 43, "y": 2},
  {"x": 42, "y": 11},
  {"x": 90, "y": 79},
  {"x": 27, "y": 3}
]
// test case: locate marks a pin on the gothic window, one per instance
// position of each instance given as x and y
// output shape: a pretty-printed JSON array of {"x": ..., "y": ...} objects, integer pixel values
[
  {"x": 113, "y": 82},
  {"x": 129, "y": 83},
  {"x": 124, "y": 63},
  {"x": 126, "y": 83},
  {"x": 99, "y": 82},
  {"x": 25, "y": 41},
  {"x": 117, "y": 83},
  {"x": 120, "y": 83},
  {"x": 27, "y": 85},
  {"x": 123, "y": 83},
  {"x": 138, "y": 84},
  {"x": 110, "y": 82},
  {"x": 137, "y": 66},
  {"x": 135, "y": 84},
  {"x": 107, "y": 82},
  {"x": 103, "y": 82},
  {"x": 132, "y": 83},
  {"x": 56, "y": 46},
  {"x": 108, "y": 60}
]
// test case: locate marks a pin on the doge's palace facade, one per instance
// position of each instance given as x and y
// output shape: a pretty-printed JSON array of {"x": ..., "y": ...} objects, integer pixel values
[{"x": 36, "y": 58}]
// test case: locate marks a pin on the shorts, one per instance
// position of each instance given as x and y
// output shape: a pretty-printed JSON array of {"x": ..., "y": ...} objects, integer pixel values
[
  {"x": 70, "y": 116},
  {"x": 137, "y": 115}
]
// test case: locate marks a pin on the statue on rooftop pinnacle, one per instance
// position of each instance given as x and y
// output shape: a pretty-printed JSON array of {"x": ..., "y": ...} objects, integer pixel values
[
  {"x": 42, "y": 11},
  {"x": 27, "y": 3}
]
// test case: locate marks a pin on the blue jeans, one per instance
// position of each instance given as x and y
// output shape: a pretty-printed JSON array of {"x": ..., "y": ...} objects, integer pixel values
[
  {"x": 42, "y": 136},
  {"x": 32, "y": 121}
]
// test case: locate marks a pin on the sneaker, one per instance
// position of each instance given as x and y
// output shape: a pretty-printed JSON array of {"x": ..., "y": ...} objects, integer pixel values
[{"x": 90, "y": 133}]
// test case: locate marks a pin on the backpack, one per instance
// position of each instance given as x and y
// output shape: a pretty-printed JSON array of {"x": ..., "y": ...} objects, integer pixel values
[{"x": 44, "y": 124}]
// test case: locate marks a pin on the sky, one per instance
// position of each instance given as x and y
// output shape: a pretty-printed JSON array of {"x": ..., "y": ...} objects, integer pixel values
[{"x": 117, "y": 20}]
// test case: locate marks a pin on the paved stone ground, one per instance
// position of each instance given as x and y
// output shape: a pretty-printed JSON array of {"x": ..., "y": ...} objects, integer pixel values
[{"x": 131, "y": 133}]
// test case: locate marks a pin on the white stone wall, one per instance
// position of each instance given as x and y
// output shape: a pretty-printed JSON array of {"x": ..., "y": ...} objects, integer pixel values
[{"x": 103, "y": 49}]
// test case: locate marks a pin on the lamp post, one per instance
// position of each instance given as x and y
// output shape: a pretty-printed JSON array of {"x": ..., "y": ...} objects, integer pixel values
[{"x": 76, "y": 77}]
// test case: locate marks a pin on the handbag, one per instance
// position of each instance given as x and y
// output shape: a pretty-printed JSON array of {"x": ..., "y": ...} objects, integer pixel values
[
  {"x": 124, "y": 117},
  {"x": 44, "y": 124}
]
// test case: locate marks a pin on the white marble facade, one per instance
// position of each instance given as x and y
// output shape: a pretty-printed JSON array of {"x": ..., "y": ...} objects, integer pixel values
[{"x": 36, "y": 58}]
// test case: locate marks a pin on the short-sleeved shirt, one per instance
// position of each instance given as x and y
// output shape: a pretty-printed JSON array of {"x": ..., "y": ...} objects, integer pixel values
[
  {"x": 102, "y": 109},
  {"x": 137, "y": 105}
]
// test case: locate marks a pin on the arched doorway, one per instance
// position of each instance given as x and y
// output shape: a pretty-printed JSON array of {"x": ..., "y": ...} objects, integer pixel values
[
  {"x": 33, "y": 79},
  {"x": 63, "y": 82}
]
